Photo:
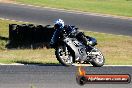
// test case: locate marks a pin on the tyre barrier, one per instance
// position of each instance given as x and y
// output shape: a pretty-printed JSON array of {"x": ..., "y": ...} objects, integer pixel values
[{"x": 29, "y": 36}]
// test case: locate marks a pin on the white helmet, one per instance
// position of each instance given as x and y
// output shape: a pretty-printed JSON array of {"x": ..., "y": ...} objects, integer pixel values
[{"x": 59, "y": 23}]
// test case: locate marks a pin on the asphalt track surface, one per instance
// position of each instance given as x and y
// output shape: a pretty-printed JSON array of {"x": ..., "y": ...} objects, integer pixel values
[
  {"x": 47, "y": 16},
  {"x": 55, "y": 76}
]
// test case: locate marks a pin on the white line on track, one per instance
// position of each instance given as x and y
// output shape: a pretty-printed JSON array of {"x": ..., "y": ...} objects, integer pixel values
[
  {"x": 103, "y": 66},
  {"x": 13, "y": 20},
  {"x": 76, "y": 12},
  {"x": 84, "y": 65},
  {"x": 43, "y": 24},
  {"x": 12, "y": 64},
  {"x": 118, "y": 65},
  {"x": 107, "y": 33}
]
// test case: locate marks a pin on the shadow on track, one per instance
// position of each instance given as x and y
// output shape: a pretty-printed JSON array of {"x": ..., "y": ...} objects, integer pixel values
[
  {"x": 38, "y": 63},
  {"x": 4, "y": 38}
]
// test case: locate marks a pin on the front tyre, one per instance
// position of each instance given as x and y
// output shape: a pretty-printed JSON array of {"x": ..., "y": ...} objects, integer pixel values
[
  {"x": 64, "y": 55},
  {"x": 97, "y": 57}
]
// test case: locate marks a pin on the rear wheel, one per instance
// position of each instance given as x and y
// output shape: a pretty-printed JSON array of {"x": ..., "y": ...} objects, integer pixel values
[
  {"x": 97, "y": 57},
  {"x": 64, "y": 55}
]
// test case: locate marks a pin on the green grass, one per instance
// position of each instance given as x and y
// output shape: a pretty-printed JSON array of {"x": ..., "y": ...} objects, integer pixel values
[
  {"x": 114, "y": 7},
  {"x": 38, "y": 56},
  {"x": 3, "y": 33},
  {"x": 116, "y": 49}
]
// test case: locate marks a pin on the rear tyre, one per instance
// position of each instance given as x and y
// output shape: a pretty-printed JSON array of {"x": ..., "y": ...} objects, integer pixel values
[{"x": 64, "y": 55}]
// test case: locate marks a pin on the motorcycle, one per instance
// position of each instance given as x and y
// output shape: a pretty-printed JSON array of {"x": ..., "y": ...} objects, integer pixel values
[{"x": 69, "y": 50}]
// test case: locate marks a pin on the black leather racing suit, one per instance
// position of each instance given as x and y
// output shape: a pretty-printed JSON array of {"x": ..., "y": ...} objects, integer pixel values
[{"x": 69, "y": 29}]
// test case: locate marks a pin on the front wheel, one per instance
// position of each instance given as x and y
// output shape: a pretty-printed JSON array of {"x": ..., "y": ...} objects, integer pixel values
[
  {"x": 97, "y": 58},
  {"x": 64, "y": 55}
]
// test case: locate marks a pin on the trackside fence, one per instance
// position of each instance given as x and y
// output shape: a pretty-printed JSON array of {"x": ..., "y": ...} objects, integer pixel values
[{"x": 29, "y": 36}]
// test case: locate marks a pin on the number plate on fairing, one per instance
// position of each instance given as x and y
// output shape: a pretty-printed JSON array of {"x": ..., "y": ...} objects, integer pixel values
[
  {"x": 81, "y": 51},
  {"x": 77, "y": 47},
  {"x": 77, "y": 44}
]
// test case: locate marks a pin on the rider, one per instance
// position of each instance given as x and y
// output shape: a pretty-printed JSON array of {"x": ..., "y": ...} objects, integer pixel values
[{"x": 59, "y": 26}]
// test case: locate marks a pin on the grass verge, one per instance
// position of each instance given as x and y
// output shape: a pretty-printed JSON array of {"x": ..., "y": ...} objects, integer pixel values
[
  {"x": 114, "y": 7},
  {"x": 116, "y": 49}
]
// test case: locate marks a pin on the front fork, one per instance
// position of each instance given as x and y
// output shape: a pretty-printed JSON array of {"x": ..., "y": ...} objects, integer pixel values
[
  {"x": 65, "y": 49},
  {"x": 89, "y": 53}
]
